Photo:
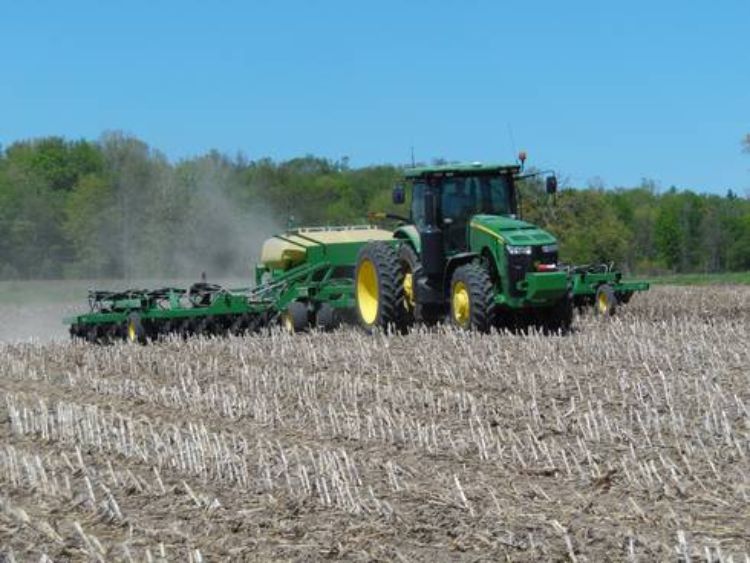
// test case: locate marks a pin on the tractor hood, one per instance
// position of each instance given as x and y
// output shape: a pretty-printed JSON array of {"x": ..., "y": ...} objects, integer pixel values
[{"x": 512, "y": 231}]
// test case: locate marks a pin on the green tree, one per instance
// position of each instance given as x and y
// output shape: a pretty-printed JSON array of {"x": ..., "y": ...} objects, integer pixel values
[
  {"x": 119, "y": 208},
  {"x": 56, "y": 162},
  {"x": 589, "y": 228},
  {"x": 133, "y": 171},
  {"x": 738, "y": 253},
  {"x": 667, "y": 231},
  {"x": 90, "y": 229},
  {"x": 638, "y": 208}
]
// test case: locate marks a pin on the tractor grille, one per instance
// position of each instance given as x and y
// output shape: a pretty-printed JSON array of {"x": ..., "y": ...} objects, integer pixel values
[{"x": 520, "y": 264}]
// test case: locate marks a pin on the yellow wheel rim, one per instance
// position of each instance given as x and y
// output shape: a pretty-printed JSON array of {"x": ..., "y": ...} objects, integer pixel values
[
  {"x": 367, "y": 291},
  {"x": 409, "y": 300},
  {"x": 602, "y": 302},
  {"x": 461, "y": 304},
  {"x": 287, "y": 322},
  {"x": 131, "y": 331}
]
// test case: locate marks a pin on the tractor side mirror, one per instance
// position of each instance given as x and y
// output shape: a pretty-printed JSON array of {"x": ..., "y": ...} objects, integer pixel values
[
  {"x": 399, "y": 196},
  {"x": 551, "y": 185}
]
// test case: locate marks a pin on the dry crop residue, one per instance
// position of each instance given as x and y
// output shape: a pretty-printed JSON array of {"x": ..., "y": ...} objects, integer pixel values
[{"x": 627, "y": 439}]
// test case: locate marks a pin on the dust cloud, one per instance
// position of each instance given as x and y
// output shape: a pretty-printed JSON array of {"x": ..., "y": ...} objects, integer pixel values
[
  {"x": 179, "y": 220},
  {"x": 225, "y": 235},
  {"x": 37, "y": 322},
  {"x": 194, "y": 219}
]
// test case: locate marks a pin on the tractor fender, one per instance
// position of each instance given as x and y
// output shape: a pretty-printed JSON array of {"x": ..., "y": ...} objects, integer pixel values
[{"x": 410, "y": 234}]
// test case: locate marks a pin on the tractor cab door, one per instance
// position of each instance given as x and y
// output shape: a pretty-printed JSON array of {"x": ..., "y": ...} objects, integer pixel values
[
  {"x": 459, "y": 202},
  {"x": 418, "y": 212}
]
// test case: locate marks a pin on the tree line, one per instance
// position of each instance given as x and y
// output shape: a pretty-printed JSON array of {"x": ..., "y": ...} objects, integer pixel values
[{"x": 117, "y": 208}]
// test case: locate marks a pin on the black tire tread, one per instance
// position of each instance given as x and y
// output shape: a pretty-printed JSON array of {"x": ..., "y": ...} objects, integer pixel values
[
  {"x": 481, "y": 296},
  {"x": 611, "y": 299},
  {"x": 391, "y": 310},
  {"x": 407, "y": 256}
]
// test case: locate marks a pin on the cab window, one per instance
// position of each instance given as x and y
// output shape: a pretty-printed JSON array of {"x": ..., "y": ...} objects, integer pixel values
[
  {"x": 417, "y": 204},
  {"x": 459, "y": 198}
]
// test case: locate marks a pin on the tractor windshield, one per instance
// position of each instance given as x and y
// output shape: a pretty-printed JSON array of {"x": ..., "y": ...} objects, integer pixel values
[{"x": 464, "y": 196}]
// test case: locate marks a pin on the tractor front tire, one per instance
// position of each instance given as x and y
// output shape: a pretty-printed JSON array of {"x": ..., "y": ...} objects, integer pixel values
[
  {"x": 379, "y": 289},
  {"x": 472, "y": 304}
]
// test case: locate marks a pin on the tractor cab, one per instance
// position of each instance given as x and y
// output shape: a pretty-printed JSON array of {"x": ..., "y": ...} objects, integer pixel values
[{"x": 448, "y": 197}]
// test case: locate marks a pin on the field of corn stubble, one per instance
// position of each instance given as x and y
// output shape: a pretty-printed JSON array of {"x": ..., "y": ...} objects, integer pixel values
[{"x": 628, "y": 439}]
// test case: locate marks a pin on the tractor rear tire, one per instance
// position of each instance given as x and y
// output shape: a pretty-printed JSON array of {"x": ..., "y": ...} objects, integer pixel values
[
  {"x": 412, "y": 270},
  {"x": 296, "y": 318},
  {"x": 134, "y": 331},
  {"x": 379, "y": 289},
  {"x": 428, "y": 314},
  {"x": 472, "y": 304},
  {"x": 605, "y": 301}
]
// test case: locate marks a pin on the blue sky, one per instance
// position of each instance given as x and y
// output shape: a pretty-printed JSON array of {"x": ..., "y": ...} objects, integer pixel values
[{"x": 611, "y": 90}]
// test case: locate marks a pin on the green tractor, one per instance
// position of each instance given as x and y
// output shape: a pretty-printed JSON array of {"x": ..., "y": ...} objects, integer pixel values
[{"x": 463, "y": 254}]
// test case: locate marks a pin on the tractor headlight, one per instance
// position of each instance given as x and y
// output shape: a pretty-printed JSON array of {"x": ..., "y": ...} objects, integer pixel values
[
  {"x": 548, "y": 248},
  {"x": 516, "y": 250}
]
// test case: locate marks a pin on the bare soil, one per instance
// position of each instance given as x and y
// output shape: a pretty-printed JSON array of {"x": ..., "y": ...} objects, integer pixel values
[{"x": 628, "y": 439}]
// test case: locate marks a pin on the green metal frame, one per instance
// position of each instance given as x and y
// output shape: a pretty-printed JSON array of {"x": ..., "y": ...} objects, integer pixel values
[
  {"x": 586, "y": 284},
  {"x": 540, "y": 289},
  {"x": 326, "y": 276}
]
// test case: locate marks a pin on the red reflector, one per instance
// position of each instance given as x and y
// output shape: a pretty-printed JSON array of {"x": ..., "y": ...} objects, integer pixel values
[{"x": 546, "y": 267}]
